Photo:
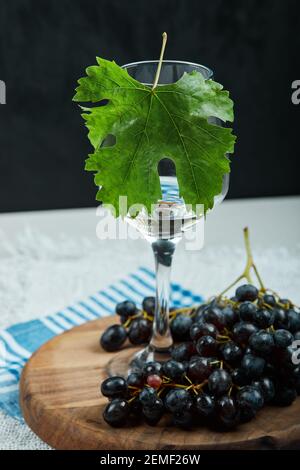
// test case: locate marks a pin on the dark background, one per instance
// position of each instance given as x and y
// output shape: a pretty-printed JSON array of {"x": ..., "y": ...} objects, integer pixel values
[{"x": 253, "y": 46}]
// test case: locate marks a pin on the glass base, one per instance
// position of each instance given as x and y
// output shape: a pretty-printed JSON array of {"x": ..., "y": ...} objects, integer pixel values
[{"x": 133, "y": 359}]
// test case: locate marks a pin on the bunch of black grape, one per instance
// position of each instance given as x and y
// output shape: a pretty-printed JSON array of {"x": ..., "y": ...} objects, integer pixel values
[
  {"x": 135, "y": 324},
  {"x": 233, "y": 357}
]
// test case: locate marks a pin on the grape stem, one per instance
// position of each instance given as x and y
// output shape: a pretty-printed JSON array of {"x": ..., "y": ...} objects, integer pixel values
[
  {"x": 157, "y": 75},
  {"x": 185, "y": 310},
  {"x": 246, "y": 274}
]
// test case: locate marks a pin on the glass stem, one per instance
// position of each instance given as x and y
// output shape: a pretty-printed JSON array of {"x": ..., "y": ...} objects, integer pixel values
[{"x": 161, "y": 340}]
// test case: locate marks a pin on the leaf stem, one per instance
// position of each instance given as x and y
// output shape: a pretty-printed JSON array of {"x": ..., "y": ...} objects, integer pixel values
[
  {"x": 164, "y": 42},
  {"x": 250, "y": 261},
  {"x": 246, "y": 274},
  {"x": 231, "y": 285}
]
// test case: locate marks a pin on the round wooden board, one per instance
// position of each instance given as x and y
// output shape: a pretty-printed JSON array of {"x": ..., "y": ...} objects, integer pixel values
[{"x": 61, "y": 402}]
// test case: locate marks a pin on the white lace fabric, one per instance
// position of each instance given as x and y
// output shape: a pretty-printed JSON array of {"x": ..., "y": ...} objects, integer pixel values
[{"x": 40, "y": 275}]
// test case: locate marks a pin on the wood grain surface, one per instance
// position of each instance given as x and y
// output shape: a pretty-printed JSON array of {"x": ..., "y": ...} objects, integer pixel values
[{"x": 61, "y": 402}]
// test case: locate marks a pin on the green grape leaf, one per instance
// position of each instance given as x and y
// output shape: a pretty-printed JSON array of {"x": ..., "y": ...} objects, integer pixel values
[{"x": 172, "y": 121}]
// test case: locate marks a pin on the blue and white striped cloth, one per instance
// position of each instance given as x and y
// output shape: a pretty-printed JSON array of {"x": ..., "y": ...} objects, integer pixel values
[
  {"x": 170, "y": 190},
  {"x": 19, "y": 341}
]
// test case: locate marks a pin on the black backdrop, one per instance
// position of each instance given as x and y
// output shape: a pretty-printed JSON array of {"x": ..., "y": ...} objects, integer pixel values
[{"x": 252, "y": 45}]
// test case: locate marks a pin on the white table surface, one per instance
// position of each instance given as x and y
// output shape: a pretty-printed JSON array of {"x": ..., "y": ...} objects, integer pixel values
[
  {"x": 271, "y": 220},
  {"x": 52, "y": 258},
  {"x": 59, "y": 258}
]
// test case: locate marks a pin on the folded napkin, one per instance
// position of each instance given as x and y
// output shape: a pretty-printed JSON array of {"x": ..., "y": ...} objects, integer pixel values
[{"x": 19, "y": 341}]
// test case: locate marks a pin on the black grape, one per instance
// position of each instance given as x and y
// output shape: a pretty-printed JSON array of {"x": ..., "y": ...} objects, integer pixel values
[
  {"x": 152, "y": 368},
  {"x": 247, "y": 311},
  {"x": 140, "y": 331},
  {"x": 283, "y": 338},
  {"x": 227, "y": 411},
  {"x": 153, "y": 412},
  {"x": 294, "y": 320},
  {"x": 126, "y": 309},
  {"x": 262, "y": 342},
  {"x": 242, "y": 331},
  {"x": 215, "y": 316},
  {"x": 114, "y": 387},
  {"x": 198, "y": 330},
  {"x": 116, "y": 412},
  {"x": 205, "y": 404},
  {"x": 264, "y": 318},
  {"x": 207, "y": 346},
  {"x": 113, "y": 338},
  {"x": 182, "y": 352},
  {"x": 180, "y": 327},
  {"x": 267, "y": 388},
  {"x": 200, "y": 368},
  {"x": 149, "y": 305},
  {"x": 148, "y": 396},
  {"x": 246, "y": 292},
  {"x": 253, "y": 366},
  {"x": 232, "y": 353},
  {"x": 251, "y": 398},
  {"x": 173, "y": 369},
  {"x": 219, "y": 382},
  {"x": 177, "y": 400}
]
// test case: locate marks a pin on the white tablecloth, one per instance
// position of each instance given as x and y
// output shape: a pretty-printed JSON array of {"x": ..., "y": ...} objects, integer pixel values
[{"x": 50, "y": 259}]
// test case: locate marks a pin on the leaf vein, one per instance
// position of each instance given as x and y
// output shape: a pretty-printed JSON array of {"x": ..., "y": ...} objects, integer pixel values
[
  {"x": 200, "y": 127},
  {"x": 140, "y": 140},
  {"x": 182, "y": 143}
]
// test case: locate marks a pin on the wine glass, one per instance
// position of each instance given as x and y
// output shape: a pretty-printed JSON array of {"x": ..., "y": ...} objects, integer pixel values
[{"x": 164, "y": 227}]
